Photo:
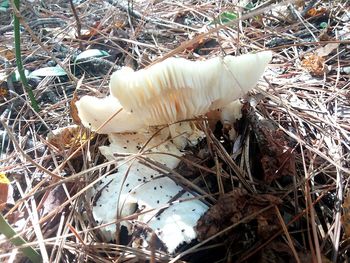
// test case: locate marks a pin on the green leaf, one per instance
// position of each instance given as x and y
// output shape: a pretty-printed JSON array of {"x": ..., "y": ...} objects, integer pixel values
[
  {"x": 91, "y": 53},
  {"x": 249, "y": 6},
  {"x": 16, "y": 77},
  {"x": 19, "y": 62},
  {"x": 10, "y": 233},
  {"x": 225, "y": 17},
  {"x": 4, "y": 5},
  {"x": 48, "y": 72},
  {"x": 323, "y": 25}
]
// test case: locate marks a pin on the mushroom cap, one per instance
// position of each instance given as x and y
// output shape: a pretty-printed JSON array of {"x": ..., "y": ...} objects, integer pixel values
[
  {"x": 134, "y": 142},
  {"x": 93, "y": 112},
  {"x": 177, "y": 89},
  {"x": 146, "y": 188}
]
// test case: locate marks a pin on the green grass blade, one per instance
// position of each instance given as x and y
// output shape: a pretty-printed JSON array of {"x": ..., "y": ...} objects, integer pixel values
[
  {"x": 19, "y": 60},
  {"x": 7, "y": 230}
]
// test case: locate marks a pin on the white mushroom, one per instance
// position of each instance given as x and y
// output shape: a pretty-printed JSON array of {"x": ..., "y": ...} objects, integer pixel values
[
  {"x": 134, "y": 142},
  {"x": 230, "y": 113},
  {"x": 185, "y": 133},
  {"x": 93, "y": 112},
  {"x": 140, "y": 186},
  {"x": 178, "y": 89},
  {"x": 173, "y": 90},
  {"x": 170, "y": 91}
]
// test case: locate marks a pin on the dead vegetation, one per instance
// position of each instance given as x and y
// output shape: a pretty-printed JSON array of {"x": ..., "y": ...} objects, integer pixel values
[{"x": 278, "y": 192}]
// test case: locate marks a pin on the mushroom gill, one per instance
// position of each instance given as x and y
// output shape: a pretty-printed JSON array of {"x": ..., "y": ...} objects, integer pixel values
[{"x": 178, "y": 89}]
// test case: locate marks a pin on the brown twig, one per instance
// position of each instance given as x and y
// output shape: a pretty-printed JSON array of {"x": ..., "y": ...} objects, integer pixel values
[{"x": 78, "y": 23}]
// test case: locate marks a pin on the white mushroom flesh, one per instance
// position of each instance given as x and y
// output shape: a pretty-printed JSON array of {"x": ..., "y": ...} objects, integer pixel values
[
  {"x": 96, "y": 112},
  {"x": 140, "y": 186},
  {"x": 178, "y": 89},
  {"x": 170, "y": 91}
]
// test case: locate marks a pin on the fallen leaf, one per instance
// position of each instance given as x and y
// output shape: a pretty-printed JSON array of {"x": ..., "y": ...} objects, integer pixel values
[
  {"x": 16, "y": 77},
  {"x": 93, "y": 31},
  {"x": 225, "y": 17},
  {"x": 6, "y": 53},
  {"x": 120, "y": 23},
  {"x": 300, "y": 3},
  {"x": 69, "y": 137},
  {"x": 91, "y": 53},
  {"x": 4, "y": 188},
  {"x": 196, "y": 45},
  {"x": 346, "y": 216},
  {"x": 311, "y": 12},
  {"x": 74, "y": 110},
  {"x": 4, "y": 5},
  {"x": 316, "y": 12},
  {"x": 324, "y": 34},
  {"x": 314, "y": 64},
  {"x": 48, "y": 72},
  {"x": 277, "y": 157},
  {"x": 233, "y": 207},
  {"x": 3, "y": 91},
  {"x": 53, "y": 200},
  {"x": 327, "y": 49}
]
